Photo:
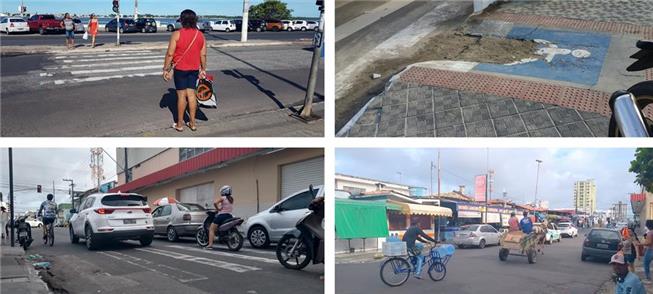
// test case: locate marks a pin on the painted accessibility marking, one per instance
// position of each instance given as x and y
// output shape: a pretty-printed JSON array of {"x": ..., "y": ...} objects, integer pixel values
[
  {"x": 239, "y": 268},
  {"x": 175, "y": 273},
  {"x": 227, "y": 254}
]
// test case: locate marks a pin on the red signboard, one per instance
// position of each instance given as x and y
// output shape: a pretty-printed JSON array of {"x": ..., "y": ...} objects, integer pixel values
[
  {"x": 637, "y": 202},
  {"x": 480, "y": 187}
]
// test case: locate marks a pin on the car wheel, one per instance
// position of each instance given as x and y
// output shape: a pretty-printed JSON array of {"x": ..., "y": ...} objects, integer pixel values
[
  {"x": 227, "y": 30},
  {"x": 172, "y": 234},
  {"x": 143, "y": 30},
  {"x": 290, "y": 29},
  {"x": 170, "y": 28},
  {"x": 7, "y": 31},
  {"x": 146, "y": 240},
  {"x": 583, "y": 257},
  {"x": 89, "y": 238},
  {"x": 258, "y": 237},
  {"x": 106, "y": 29},
  {"x": 39, "y": 225},
  {"x": 461, "y": 246},
  {"x": 275, "y": 29},
  {"x": 303, "y": 29},
  {"x": 122, "y": 30},
  {"x": 481, "y": 244},
  {"x": 73, "y": 239},
  {"x": 41, "y": 31}
]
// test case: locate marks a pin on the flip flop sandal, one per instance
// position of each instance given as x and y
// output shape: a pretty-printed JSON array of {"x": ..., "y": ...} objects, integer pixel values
[
  {"x": 174, "y": 126},
  {"x": 191, "y": 128}
]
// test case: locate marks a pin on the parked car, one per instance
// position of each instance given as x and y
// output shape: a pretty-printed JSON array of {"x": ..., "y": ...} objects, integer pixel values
[
  {"x": 273, "y": 25},
  {"x": 79, "y": 26},
  {"x": 127, "y": 25},
  {"x": 34, "y": 223},
  {"x": 44, "y": 23},
  {"x": 256, "y": 25},
  {"x": 146, "y": 25},
  {"x": 298, "y": 25},
  {"x": 178, "y": 220},
  {"x": 600, "y": 243},
  {"x": 177, "y": 26},
  {"x": 9, "y": 25},
  {"x": 220, "y": 25},
  {"x": 568, "y": 230},
  {"x": 313, "y": 25},
  {"x": 286, "y": 24},
  {"x": 269, "y": 225},
  {"x": 552, "y": 233},
  {"x": 476, "y": 235},
  {"x": 112, "y": 216}
]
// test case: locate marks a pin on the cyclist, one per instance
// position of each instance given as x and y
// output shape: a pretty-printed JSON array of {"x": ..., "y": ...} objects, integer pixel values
[
  {"x": 414, "y": 233},
  {"x": 49, "y": 208}
]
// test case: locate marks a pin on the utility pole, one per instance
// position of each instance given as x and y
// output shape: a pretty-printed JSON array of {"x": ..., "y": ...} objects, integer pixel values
[
  {"x": 245, "y": 23},
  {"x": 126, "y": 168},
  {"x": 11, "y": 194},
  {"x": 135, "y": 9},
  {"x": 53, "y": 192},
  {"x": 72, "y": 191},
  {"x": 438, "y": 173},
  {"x": 537, "y": 179},
  {"x": 431, "y": 178},
  {"x": 306, "y": 111}
]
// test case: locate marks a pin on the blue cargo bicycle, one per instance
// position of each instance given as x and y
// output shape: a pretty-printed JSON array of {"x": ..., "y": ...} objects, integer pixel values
[{"x": 396, "y": 270}]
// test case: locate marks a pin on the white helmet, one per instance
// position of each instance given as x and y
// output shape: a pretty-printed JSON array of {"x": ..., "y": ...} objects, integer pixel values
[{"x": 225, "y": 190}]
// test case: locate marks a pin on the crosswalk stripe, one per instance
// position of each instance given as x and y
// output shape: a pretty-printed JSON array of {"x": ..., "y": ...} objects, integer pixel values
[
  {"x": 77, "y": 53},
  {"x": 239, "y": 268},
  {"x": 93, "y": 71},
  {"x": 227, "y": 254},
  {"x": 112, "y": 58},
  {"x": 109, "y": 55},
  {"x": 100, "y": 78},
  {"x": 138, "y": 262},
  {"x": 108, "y": 64}
]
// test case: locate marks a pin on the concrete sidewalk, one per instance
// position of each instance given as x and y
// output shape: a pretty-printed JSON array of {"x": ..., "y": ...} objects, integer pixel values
[
  {"x": 17, "y": 275},
  {"x": 359, "y": 257}
]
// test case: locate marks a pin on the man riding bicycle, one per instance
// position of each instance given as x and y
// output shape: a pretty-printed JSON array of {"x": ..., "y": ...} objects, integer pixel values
[
  {"x": 49, "y": 208},
  {"x": 414, "y": 233}
]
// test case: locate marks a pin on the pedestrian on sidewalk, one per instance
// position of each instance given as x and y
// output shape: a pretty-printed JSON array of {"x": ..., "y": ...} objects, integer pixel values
[
  {"x": 628, "y": 243},
  {"x": 627, "y": 282},
  {"x": 4, "y": 219},
  {"x": 648, "y": 251},
  {"x": 185, "y": 61},
  {"x": 92, "y": 28},
  {"x": 69, "y": 25}
]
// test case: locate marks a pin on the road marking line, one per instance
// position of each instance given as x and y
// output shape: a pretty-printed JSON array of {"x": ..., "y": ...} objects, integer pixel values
[
  {"x": 92, "y": 71},
  {"x": 77, "y": 53},
  {"x": 239, "y": 268},
  {"x": 101, "y": 65},
  {"x": 113, "y": 58},
  {"x": 368, "y": 18},
  {"x": 222, "y": 253},
  {"x": 125, "y": 257},
  {"x": 106, "y": 55},
  {"x": 100, "y": 78}
]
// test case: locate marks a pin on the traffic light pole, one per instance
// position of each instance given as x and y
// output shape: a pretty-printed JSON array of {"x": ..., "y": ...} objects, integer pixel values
[
  {"x": 118, "y": 28},
  {"x": 245, "y": 22},
  {"x": 11, "y": 195},
  {"x": 306, "y": 112}
]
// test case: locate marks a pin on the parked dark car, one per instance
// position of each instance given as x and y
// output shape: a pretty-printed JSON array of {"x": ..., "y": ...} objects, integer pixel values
[
  {"x": 600, "y": 243},
  {"x": 255, "y": 25},
  {"x": 127, "y": 25},
  {"x": 146, "y": 25}
]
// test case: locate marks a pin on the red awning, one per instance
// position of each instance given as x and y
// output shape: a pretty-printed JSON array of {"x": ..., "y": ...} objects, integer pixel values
[{"x": 202, "y": 161}]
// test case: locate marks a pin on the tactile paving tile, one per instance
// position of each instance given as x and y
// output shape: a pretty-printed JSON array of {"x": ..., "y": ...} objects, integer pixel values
[{"x": 570, "y": 97}]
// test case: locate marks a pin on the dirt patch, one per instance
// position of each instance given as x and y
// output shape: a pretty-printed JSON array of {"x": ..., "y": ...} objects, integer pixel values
[
  {"x": 54, "y": 282},
  {"x": 446, "y": 46}
]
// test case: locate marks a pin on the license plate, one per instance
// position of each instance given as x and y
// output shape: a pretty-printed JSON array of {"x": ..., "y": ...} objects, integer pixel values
[
  {"x": 129, "y": 221},
  {"x": 604, "y": 246}
]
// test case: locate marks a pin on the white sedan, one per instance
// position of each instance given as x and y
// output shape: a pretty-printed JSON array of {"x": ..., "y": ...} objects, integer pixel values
[
  {"x": 568, "y": 230},
  {"x": 10, "y": 25},
  {"x": 34, "y": 223}
]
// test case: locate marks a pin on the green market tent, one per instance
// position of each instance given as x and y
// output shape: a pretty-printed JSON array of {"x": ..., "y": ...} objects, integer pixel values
[{"x": 361, "y": 219}]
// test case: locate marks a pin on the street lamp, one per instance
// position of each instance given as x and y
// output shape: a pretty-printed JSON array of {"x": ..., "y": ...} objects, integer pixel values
[{"x": 537, "y": 179}]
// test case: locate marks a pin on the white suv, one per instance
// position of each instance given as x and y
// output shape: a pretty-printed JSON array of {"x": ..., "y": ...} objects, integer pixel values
[
  {"x": 270, "y": 225},
  {"x": 568, "y": 229},
  {"x": 220, "y": 25},
  {"x": 298, "y": 25},
  {"x": 112, "y": 216}
]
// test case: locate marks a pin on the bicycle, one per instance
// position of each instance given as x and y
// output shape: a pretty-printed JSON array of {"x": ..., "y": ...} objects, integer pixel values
[
  {"x": 49, "y": 236},
  {"x": 399, "y": 267}
]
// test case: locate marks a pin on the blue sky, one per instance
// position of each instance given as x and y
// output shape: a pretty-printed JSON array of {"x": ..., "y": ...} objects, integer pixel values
[
  {"x": 304, "y": 8},
  {"x": 515, "y": 170}
]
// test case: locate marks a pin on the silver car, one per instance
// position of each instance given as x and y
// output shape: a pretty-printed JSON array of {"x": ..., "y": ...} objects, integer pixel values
[
  {"x": 476, "y": 235},
  {"x": 178, "y": 220}
]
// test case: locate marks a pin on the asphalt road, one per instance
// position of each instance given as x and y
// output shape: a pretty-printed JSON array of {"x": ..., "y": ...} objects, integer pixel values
[
  {"x": 558, "y": 270},
  {"x": 165, "y": 267},
  {"x": 137, "y": 38},
  {"x": 122, "y": 93}
]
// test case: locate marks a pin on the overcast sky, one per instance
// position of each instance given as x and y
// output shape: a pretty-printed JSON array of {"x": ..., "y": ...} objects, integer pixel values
[
  {"x": 34, "y": 166},
  {"x": 515, "y": 170}
]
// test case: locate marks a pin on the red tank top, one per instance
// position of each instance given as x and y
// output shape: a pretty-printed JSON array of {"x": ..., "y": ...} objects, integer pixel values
[{"x": 190, "y": 61}]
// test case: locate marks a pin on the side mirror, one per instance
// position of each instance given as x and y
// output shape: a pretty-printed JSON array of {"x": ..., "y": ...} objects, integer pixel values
[
  {"x": 277, "y": 209},
  {"x": 73, "y": 211},
  {"x": 310, "y": 188}
]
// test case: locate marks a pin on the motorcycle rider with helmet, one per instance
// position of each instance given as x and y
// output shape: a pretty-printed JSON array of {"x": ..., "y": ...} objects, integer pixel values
[{"x": 225, "y": 206}]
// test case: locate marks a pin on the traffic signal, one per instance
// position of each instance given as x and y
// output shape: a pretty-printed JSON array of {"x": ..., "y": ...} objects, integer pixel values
[
  {"x": 320, "y": 3},
  {"x": 116, "y": 5},
  {"x": 38, "y": 188}
]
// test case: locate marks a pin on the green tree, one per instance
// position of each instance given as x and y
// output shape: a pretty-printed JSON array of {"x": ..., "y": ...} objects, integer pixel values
[
  {"x": 270, "y": 9},
  {"x": 642, "y": 166}
]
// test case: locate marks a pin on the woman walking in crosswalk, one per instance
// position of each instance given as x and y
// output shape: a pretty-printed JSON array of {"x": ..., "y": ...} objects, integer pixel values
[{"x": 185, "y": 61}]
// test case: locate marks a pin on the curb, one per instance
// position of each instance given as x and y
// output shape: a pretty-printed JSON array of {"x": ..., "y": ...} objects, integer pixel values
[{"x": 20, "y": 50}]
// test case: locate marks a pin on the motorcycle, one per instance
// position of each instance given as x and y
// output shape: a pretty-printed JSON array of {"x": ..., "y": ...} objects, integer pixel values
[
  {"x": 627, "y": 119},
  {"x": 24, "y": 232},
  {"x": 297, "y": 248},
  {"x": 227, "y": 232}
]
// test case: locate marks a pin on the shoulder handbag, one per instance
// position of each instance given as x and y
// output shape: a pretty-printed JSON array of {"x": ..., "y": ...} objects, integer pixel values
[{"x": 173, "y": 63}]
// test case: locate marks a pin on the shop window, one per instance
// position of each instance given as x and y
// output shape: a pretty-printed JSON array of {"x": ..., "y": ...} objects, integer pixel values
[{"x": 397, "y": 222}]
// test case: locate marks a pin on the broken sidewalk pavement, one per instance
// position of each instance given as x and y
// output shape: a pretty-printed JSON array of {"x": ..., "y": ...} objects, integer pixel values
[{"x": 17, "y": 273}]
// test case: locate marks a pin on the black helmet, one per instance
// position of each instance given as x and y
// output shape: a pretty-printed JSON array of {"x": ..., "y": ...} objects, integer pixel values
[{"x": 50, "y": 196}]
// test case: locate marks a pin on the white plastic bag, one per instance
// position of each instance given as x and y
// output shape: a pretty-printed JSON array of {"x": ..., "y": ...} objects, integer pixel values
[{"x": 85, "y": 36}]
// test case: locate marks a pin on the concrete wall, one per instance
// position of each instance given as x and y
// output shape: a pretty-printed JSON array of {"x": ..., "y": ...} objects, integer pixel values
[
  {"x": 343, "y": 181},
  {"x": 243, "y": 177}
]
